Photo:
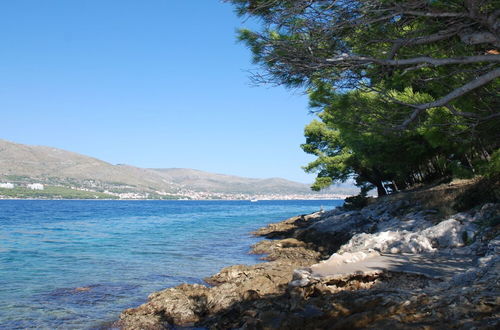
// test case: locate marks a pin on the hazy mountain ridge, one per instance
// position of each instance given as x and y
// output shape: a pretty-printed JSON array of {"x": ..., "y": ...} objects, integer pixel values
[
  {"x": 52, "y": 165},
  {"x": 22, "y": 164},
  {"x": 223, "y": 183}
]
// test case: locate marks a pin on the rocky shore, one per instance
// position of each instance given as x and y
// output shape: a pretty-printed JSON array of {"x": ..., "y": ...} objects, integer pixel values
[{"x": 396, "y": 263}]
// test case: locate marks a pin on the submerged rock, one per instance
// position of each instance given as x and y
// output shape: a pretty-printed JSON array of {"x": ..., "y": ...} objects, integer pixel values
[{"x": 83, "y": 289}]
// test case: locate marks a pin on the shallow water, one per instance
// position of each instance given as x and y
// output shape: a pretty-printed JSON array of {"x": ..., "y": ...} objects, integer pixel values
[{"x": 77, "y": 264}]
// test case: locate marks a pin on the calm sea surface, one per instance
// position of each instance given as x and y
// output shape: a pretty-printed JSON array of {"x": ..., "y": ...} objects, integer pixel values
[{"x": 77, "y": 264}]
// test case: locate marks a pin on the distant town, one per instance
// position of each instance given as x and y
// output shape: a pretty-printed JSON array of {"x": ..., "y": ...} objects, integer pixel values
[
  {"x": 32, "y": 186},
  {"x": 54, "y": 192},
  {"x": 38, "y": 172}
]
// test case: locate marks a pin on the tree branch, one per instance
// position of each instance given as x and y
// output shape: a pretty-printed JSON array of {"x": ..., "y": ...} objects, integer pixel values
[
  {"x": 433, "y": 14},
  {"x": 441, "y": 35},
  {"x": 415, "y": 60},
  {"x": 478, "y": 82},
  {"x": 482, "y": 37}
]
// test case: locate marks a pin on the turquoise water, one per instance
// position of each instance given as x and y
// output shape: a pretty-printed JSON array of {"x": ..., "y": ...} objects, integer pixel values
[{"x": 118, "y": 252}]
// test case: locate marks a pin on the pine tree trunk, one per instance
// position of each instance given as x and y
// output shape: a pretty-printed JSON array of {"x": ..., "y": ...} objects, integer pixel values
[{"x": 380, "y": 189}]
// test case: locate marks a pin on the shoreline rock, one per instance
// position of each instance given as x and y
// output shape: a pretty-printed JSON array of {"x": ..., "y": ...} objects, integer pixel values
[{"x": 387, "y": 265}]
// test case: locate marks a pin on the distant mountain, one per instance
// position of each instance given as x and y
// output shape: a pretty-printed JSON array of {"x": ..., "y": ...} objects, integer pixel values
[
  {"x": 210, "y": 182},
  {"x": 23, "y": 164},
  {"x": 51, "y": 165}
]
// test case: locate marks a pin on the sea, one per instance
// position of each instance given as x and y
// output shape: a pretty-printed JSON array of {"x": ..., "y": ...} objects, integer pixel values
[{"x": 76, "y": 264}]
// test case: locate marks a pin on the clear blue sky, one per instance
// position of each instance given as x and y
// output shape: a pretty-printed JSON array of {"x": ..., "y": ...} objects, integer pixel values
[{"x": 156, "y": 83}]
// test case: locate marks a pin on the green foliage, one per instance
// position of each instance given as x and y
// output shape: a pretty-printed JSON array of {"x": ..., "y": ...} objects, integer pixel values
[
  {"x": 355, "y": 203},
  {"x": 345, "y": 150},
  {"x": 371, "y": 124},
  {"x": 52, "y": 192},
  {"x": 359, "y": 201},
  {"x": 493, "y": 167}
]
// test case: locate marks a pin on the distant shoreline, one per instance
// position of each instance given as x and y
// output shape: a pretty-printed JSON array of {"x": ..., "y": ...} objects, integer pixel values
[{"x": 172, "y": 200}]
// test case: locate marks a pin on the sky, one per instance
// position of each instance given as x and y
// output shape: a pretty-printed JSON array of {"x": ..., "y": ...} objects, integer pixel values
[{"x": 155, "y": 84}]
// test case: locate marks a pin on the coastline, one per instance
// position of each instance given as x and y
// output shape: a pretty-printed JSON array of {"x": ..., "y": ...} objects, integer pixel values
[
  {"x": 336, "y": 197},
  {"x": 122, "y": 251},
  {"x": 277, "y": 198},
  {"x": 395, "y": 263}
]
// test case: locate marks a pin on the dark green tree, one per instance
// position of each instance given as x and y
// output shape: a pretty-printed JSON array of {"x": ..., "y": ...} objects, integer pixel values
[
  {"x": 345, "y": 149},
  {"x": 407, "y": 91},
  {"x": 446, "y": 48}
]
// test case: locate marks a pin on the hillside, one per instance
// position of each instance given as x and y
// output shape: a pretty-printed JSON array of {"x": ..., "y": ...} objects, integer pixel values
[
  {"x": 221, "y": 183},
  {"x": 22, "y": 164}
]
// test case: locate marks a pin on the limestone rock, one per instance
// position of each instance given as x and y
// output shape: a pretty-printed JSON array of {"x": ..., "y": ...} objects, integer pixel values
[
  {"x": 446, "y": 234},
  {"x": 392, "y": 264}
]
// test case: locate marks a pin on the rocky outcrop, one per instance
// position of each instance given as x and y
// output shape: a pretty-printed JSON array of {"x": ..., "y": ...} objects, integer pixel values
[
  {"x": 192, "y": 304},
  {"x": 391, "y": 264}
]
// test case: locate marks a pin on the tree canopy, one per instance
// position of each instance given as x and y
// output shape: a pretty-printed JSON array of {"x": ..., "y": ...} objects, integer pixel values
[{"x": 406, "y": 90}]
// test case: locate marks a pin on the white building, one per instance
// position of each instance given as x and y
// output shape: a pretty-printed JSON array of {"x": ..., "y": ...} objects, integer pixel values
[
  {"x": 7, "y": 185},
  {"x": 35, "y": 186}
]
